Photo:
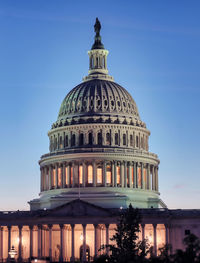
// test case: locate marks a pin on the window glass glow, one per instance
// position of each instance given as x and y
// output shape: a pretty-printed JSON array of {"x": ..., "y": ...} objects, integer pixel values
[
  {"x": 59, "y": 176},
  {"x": 118, "y": 174},
  {"x": 90, "y": 174},
  {"x": 108, "y": 174},
  {"x": 99, "y": 175},
  {"x": 80, "y": 174}
]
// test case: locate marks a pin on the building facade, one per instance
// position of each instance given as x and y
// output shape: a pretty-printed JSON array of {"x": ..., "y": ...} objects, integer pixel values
[{"x": 98, "y": 163}]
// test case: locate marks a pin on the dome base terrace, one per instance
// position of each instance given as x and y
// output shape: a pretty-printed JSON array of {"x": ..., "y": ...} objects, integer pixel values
[{"x": 106, "y": 197}]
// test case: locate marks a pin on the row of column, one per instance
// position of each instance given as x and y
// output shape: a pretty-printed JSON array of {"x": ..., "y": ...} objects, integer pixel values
[
  {"x": 64, "y": 140},
  {"x": 107, "y": 174},
  {"x": 62, "y": 246}
]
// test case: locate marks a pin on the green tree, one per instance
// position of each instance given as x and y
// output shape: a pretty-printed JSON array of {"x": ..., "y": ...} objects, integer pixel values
[
  {"x": 192, "y": 250},
  {"x": 127, "y": 248}
]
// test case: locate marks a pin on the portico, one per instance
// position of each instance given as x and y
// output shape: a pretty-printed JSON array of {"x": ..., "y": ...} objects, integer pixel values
[{"x": 73, "y": 231}]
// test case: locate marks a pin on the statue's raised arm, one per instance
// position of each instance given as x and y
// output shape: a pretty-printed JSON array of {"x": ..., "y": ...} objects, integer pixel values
[{"x": 97, "y": 26}]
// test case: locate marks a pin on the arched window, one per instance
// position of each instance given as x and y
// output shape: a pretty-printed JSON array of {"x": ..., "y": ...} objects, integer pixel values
[
  {"x": 81, "y": 139},
  {"x": 116, "y": 139},
  {"x": 73, "y": 140},
  {"x": 90, "y": 174},
  {"x": 99, "y": 175},
  {"x": 97, "y": 62},
  {"x": 90, "y": 138},
  {"x": 99, "y": 142},
  {"x": 131, "y": 140},
  {"x": 59, "y": 177},
  {"x": 137, "y": 141},
  {"x": 66, "y": 141},
  {"x": 118, "y": 175},
  {"x": 124, "y": 139},
  {"x": 81, "y": 174},
  {"x": 108, "y": 139}
]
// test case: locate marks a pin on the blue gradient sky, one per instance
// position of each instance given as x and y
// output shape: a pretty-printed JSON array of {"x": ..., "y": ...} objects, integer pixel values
[{"x": 154, "y": 53}]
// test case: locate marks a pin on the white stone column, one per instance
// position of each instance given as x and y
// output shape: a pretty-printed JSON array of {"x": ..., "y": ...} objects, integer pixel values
[
  {"x": 107, "y": 238},
  {"x": 135, "y": 175},
  {"x": 72, "y": 245},
  {"x": 84, "y": 173},
  {"x": 129, "y": 175},
  {"x": 50, "y": 242},
  {"x": 31, "y": 242},
  {"x": 166, "y": 234},
  {"x": 1, "y": 243},
  {"x": 39, "y": 241},
  {"x": 84, "y": 242},
  {"x": 45, "y": 179},
  {"x": 41, "y": 180},
  {"x": 20, "y": 244},
  {"x": 122, "y": 174},
  {"x": 68, "y": 175},
  {"x": 125, "y": 174},
  {"x": 153, "y": 178},
  {"x": 63, "y": 175},
  {"x": 104, "y": 173},
  {"x": 61, "y": 242},
  {"x": 95, "y": 239},
  {"x": 142, "y": 176},
  {"x": 115, "y": 173},
  {"x": 155, "y": 239},
  {"x": 9, "y": 238},
  {"x": 148, "y": 176},
  {"x": 94, "y": 174},
  {"x": 56, "y": 176},
  {"x": 156, "y": 178},
  {"x": 73, "y": 169},
  {"x": 50, "y": 177}
]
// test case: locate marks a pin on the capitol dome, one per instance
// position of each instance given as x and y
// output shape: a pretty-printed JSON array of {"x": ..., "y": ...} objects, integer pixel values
[
  {"x": 99, "y": 146},
  {"x": 98, "y": 97}
]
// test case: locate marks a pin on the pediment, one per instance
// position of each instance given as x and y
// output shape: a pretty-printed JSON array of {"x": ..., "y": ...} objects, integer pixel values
[{"x": 79, "y": 208}]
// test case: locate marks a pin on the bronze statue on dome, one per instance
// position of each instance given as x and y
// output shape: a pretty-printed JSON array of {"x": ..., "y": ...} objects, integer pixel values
[{"x": 97, "y": 27}]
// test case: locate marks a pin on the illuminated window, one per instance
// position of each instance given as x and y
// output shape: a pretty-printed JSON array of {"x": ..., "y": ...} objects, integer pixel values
[
  {"x": 108, "y": 174},
  {"x": 59, "y": 177},
  {"x": 99, "y": 175},
  {"x": 90, "y": 174},
  {"x": 80, "y": 174},
  {"x": 116, "y": 139},
  {"x": 71, "y": 175},
  {"x": 66, "y": 177},
  {"x": 132, "y": 175},
  {"x": 139, "y": 177},
  {"x": 118, "y": 174}
]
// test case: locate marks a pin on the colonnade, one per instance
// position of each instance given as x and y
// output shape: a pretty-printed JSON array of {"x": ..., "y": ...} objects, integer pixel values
[
  {"x": 100, "y": 137},
  {"x": 99, "y": 174},
  {"x": 42, "y": 243}
]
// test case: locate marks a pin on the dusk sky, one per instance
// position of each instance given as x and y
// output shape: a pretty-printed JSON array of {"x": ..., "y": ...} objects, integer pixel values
[{"x": 154, "y": 53}]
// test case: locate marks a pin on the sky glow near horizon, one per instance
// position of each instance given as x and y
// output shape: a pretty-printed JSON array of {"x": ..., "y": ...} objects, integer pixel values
[{"x": 154, "y": 52}]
